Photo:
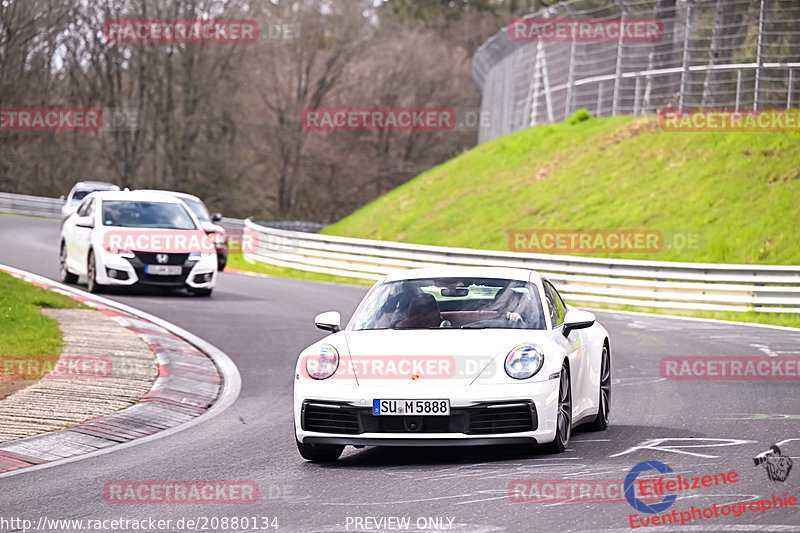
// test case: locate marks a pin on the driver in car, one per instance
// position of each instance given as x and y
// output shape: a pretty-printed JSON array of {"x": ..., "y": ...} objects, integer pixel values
[{"x": 515, "y": 306}]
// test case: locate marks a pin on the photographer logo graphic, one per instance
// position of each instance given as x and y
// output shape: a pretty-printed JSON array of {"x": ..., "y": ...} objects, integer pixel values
[{"x": 630, "y": 480}]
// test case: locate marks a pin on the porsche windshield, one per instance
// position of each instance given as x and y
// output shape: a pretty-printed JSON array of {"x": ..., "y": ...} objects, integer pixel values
[{"x": 467, "y": 303}]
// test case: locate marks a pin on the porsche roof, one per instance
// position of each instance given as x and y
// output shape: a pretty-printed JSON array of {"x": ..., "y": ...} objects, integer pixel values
[{"x": 520, "y": 274}]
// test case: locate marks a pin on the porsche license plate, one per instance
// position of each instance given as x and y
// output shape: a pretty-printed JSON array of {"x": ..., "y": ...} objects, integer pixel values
[
  {"x": 163, "y": 270},
  {"x": 411, "y": 407}
]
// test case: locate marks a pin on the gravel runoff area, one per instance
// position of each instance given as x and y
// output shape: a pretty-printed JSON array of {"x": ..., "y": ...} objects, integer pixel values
[{"x": 128, "y": 369}]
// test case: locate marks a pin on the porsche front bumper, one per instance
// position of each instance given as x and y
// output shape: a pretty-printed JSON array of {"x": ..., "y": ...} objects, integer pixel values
[{"x": 335, "y": 413}]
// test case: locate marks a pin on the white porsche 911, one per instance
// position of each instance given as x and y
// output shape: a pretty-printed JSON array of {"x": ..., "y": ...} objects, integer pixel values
[{"x": 450, "y": 356}]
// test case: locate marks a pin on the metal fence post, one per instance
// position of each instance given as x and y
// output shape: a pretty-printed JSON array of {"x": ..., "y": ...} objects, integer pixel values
[
  {"x": 687, "y": 56},
  {"x": 535, "y": 88},
  {"x": 618, "y": 71},
  {"x": 599, "y": 98},
  {"x": 759, "y": 53},
  {"x": 571, "y": 67},
  {"x": 548, "y": 101},
  {"x": 738, "y": 87},
  {"x": 636, "y": 96},
  {"x": 789, "y": 89}
]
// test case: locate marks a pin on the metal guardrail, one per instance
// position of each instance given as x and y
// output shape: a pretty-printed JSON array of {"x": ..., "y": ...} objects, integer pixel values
[
  {"x": 657, "y": 284},
  {"x": 22, "y": 204}
]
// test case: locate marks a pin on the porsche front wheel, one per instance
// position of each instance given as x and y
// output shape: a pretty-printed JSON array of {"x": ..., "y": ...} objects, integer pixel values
[{"x": 564, "y": 416}]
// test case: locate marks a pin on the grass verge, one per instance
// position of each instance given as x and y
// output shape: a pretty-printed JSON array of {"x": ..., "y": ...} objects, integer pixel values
[
  {"x": 736, "y": 192},
  {"x": 29, "y": 340},
  {"x": 25, "y": 331}
]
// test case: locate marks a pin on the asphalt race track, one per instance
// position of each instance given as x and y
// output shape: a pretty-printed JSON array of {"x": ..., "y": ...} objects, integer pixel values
[{"x": 696, "y": 427}]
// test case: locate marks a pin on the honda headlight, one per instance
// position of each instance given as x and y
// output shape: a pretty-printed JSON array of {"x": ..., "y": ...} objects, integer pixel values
[
  {"x": 195, "y": 256},
  {"x": 122, "y": 252},
  {"x": 323, "y": 363},
  {"x": 524, "y": 361}
]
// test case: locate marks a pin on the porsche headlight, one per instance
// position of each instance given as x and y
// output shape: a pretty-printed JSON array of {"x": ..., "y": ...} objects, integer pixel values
[
  {"x": 524, "y": 361},
  {"x": 323, "y": 363}
]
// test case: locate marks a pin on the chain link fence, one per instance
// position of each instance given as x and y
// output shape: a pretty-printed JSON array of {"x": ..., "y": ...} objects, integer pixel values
[{"x": 709, "y": 54}]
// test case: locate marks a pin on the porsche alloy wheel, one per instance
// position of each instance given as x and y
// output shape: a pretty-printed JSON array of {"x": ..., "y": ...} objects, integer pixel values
[
  {"x": 601, "y": 422},
  {"x": 564, "y": 416}
]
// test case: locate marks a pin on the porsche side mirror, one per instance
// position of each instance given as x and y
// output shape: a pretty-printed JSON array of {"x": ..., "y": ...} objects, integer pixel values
[
  {"x": 577, "y": 319},
  {"x": 329, "y": 321},
  {"x": 216, "y": 217}
]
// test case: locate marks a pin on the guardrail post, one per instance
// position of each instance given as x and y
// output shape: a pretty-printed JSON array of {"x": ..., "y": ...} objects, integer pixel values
[
  {"x": 759, "y": 53},
  {"x": 618, "y": 71},
  {"x": 789, "y": 89},
  {"x": 687, "y": 55},
  {"x": 636, "y": 96}
]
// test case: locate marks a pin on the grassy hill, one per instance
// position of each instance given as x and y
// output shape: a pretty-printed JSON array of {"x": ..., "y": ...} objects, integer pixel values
[{"x": 739, "y": 192}]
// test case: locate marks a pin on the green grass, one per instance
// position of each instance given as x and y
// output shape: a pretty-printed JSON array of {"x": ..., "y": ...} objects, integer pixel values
[
  {"x": 24, "y": 330},
  {"x": 740, "y": 192},
  {"x": 236, "y": 261}
]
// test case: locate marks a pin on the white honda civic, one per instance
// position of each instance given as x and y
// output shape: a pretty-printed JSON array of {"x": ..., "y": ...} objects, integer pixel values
[
  {"x": 123, "y": 238},
  {"x": 450, "y": 356}
]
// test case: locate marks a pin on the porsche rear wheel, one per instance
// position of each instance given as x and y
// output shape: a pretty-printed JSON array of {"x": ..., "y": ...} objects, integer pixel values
[
  {"x": 564, "y": 416},
  {"x": 319, "y": 452}
]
